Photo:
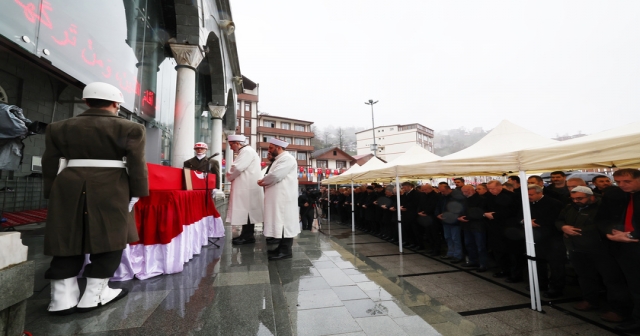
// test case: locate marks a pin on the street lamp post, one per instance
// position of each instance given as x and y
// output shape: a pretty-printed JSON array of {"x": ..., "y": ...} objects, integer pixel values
[{"x": 374, "y": 147}]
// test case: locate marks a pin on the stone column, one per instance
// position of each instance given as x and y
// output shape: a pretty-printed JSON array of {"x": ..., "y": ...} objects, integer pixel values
[
  {"x": 188, "y": 57},
  {"x": 217, "y": 112}
]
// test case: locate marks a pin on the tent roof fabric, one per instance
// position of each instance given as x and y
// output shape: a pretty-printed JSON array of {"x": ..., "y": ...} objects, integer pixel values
[
  {"x": 344, "y": 177},
  {"x": 617, "y": 147},
  {"x": 495, "y": 154},
  {"x": 413, "y": 155}
]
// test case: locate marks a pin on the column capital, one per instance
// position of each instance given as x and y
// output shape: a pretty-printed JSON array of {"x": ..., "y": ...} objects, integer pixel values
[
  {"x": 144, "y": 50},
  {"x": 187, "y": 55},
  {"x": 217, "y": 112}
]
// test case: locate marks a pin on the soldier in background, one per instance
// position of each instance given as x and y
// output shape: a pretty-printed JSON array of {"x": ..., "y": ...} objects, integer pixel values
[{"x": 202, "y": 163}]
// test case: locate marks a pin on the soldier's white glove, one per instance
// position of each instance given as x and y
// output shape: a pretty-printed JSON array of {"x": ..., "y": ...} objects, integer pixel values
[{"x": 133, "y": 202}]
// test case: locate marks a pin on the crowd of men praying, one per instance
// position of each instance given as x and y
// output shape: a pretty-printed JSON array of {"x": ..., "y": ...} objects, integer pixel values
[{"x": 481, "y": 227}]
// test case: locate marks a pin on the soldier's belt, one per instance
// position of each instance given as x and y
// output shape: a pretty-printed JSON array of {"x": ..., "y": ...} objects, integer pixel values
[{"x": 64, "y": 163}]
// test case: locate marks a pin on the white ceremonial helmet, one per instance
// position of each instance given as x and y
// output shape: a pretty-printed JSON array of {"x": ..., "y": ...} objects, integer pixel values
[
  {"x": 200, "y": 145},
  {"x": 104, "y": 91}
]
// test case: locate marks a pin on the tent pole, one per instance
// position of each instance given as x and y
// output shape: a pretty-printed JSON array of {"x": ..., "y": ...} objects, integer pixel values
[
  {"x": 329, "y": 208},
  {"x": 399, "y": 212},
  {"x": 353, "y": 210},
  {"x": 530, "y": 244}
]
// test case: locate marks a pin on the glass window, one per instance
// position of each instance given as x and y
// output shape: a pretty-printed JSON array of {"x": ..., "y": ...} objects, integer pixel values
[
  {"x": 247, "y": 123},
  {"x": 287, "y": 139},
  {"x": 264, "y": 153},
  {"x": 286, "y": 126},
  {"x": 299, "y": 128},
  {"x": 299, "y": 141},
  {"x": 322, "y": 163},
  {"x": 302, "y": 156},
  {"x": 247, "y": 106},
  {"x": 266, "y": 138},
  {"x": 341, "y": 164},
  {"x": 238, "y": 106},
  {"x": 293, "y": 153},
  {"x": 269, "y": 123}
]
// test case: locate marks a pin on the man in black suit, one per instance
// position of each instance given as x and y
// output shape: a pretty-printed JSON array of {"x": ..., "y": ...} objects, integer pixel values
[
  {"x": 409, "y": 207},
  {"x": 550, "y": 250},
  {"x": 619, "y": 218},
  {"x": 427, "y": 208},
  {"x": 504, "y": 237},
  {"x": 591, "y": 257},
  {"x": 474, "y": 228},
  {"x": 305, "y": 202}
]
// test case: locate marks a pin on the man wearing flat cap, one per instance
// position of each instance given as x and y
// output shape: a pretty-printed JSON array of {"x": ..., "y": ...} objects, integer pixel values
[
  {"x": 246, "y": 198},
  {"x": 280, "y": 196},
  {"x": 201, "y": 163}
]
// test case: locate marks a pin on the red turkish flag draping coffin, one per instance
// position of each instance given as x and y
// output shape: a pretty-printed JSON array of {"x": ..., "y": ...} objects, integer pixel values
[
  {"x": 164, "y": 177},
  {"x": 173, "y": 224},
  {"x": 198, "y": 181}
]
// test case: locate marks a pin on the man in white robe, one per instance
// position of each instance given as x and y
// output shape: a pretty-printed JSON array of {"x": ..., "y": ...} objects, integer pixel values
[
  {"x": 246, "y": 198},
  {"x": 281, "y": 200}
]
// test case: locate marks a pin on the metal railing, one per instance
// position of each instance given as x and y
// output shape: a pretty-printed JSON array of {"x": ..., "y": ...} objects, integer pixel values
[{"x": 22, "y": 193}]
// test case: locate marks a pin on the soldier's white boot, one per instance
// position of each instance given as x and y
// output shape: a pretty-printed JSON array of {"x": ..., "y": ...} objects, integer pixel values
[
  {"x": 64, "y": 296},
  {"x": 98, "y": 293}
]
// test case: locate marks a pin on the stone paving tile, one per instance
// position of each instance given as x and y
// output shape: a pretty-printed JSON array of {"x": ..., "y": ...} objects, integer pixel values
[
  {"x": 324, "y": 264},
  {"x": 586, "y": 329},
  {"x": 336, "y": 277},
  {"x": 415, "y": 326},
  {"x": 307, "y": 322},
  {"x": 320, "y": 298},
  {"x": 523, "y": 320},
  {"x": 545, "y": 332},
  {"x": 380, "y": 325},
  {"x": 492, "y": 325},
  {"x": 346, "y": 293},
  {"x": 237, "y": 279}
]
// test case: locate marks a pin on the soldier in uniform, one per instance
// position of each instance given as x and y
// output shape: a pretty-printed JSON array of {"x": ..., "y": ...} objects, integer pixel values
[
  {"x": 91, "y": 200},
  {"x": 201, "y": 163}
]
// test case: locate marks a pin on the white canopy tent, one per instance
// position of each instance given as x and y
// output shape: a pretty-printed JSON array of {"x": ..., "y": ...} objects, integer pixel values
[
  {"x": 344, "y": 177},
  {"x": 495, "y": 154}
]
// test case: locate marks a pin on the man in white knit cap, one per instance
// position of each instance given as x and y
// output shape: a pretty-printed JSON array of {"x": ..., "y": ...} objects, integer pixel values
[
  {"x": 281, "y": 200},
  {"x": 246, "y": 199}
]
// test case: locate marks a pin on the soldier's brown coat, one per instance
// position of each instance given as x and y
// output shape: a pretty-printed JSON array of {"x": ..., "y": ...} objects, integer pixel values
[
  {"x": 201, "y": 165},
  {"x": 88, "y": 206}
]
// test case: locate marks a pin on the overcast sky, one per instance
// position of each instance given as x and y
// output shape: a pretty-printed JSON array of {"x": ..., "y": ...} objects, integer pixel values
[{"x": 554, "y": 67}]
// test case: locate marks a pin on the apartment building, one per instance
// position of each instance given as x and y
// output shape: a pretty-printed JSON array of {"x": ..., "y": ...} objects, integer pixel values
[{"x": 393, "y": 140}]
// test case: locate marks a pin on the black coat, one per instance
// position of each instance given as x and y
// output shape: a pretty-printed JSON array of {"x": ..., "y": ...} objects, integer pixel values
[
  {"x": 473, "y": 210},
  {"x": 545, "y": 212},
  {"x": 590, "y": 240},
  {"x": 305, "y": 210},
  {"x": 506, "y": 225},
  {"x": 613, "y": 211},
  {"x": 561, "y": 194},
  {"x": 410, "y": 201}
]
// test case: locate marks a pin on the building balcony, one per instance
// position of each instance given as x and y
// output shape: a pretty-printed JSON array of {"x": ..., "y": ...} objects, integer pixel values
[
  {"x": 300, "y": 148},
  {"x": 279, "y": 131}
]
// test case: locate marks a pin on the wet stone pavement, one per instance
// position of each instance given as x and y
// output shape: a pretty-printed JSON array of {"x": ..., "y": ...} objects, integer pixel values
[{"x": 337, "y": 283}]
